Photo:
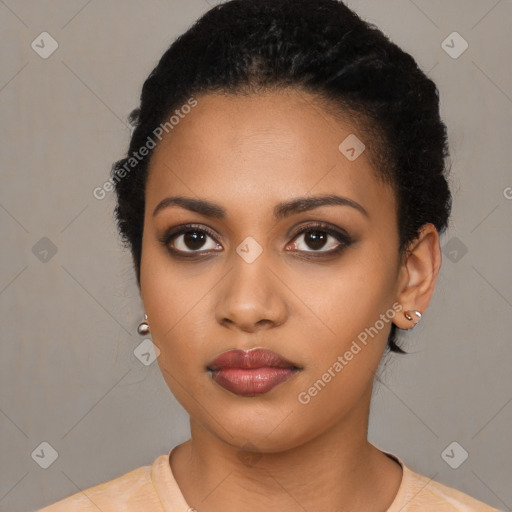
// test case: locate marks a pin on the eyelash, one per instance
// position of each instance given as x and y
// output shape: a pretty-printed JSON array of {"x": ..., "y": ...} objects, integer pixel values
[{"x": 344, "y": 239}]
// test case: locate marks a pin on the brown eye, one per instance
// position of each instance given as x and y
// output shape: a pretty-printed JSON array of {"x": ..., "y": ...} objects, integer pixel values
[
  {"x": 187, "y": 240},
  {"x": 321, "y": 239},
  {"x": 315, "y": 239},
  {"x": 194, "y": 240}
]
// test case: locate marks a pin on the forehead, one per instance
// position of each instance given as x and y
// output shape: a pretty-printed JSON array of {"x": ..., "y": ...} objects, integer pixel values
[{"x": 261, "y": 148}]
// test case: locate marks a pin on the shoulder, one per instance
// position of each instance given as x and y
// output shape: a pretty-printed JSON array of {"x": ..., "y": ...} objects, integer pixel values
[
  {"x": 132, "y": 491},
  {"x": 418, "y": 493}
]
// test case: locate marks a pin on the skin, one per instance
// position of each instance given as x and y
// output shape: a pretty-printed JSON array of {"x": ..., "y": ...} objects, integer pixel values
[{"x": 247, "y": 154}]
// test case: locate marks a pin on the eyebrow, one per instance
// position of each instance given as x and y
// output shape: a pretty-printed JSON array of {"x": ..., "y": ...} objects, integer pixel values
[{"x": 281, "y": 211}]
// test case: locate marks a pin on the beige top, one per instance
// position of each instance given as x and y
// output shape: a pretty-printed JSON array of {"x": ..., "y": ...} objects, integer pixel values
[{"x": 153, "y": 488}]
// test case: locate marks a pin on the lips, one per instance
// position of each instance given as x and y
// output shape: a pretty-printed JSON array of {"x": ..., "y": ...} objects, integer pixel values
[{"x": 251, "y": 373}]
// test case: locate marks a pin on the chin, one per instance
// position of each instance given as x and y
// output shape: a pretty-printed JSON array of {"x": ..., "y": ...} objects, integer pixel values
[{"x": 268, "y": 429}]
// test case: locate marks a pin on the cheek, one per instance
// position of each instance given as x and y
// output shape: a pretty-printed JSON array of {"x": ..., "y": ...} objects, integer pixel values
[
  {"x": 168, "y": 302},
  {"x": 170, "y": 292},
  {"x": 357, "y": 313},
  {"x": 352, "y": 296}
]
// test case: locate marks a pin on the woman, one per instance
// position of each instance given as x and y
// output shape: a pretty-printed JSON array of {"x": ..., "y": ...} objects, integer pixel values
[{"x": 282, "y": 198}]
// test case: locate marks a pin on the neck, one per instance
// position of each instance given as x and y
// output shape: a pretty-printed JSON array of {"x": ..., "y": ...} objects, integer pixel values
[{"x": 338, "y": 470}]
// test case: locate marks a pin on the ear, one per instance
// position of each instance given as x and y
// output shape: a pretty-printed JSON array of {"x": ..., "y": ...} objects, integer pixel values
[{"x": 418, "y": 274}]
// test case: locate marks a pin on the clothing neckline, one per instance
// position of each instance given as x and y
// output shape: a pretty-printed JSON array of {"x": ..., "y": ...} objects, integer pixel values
[
  {"x": 399, "y": 500},
  {"x": 166, "y": 487},
  {"x": 171, "y": 497}
]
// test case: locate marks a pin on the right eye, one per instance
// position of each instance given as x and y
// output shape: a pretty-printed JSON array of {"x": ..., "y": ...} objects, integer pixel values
[{"x": 190, "y": 240}]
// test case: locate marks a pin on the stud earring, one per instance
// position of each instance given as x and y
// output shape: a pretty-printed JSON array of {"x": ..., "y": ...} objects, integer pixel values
[
  {"x": 408, "y": 314},
  {"x": 143, "y": 327}
]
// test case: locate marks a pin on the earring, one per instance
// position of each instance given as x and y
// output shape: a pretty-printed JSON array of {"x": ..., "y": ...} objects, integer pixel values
[
  {"x": 143, "y": 328},
  {"x": 408, "y": 314}
]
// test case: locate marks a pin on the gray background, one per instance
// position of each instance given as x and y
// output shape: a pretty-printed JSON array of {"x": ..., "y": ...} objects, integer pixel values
[{"x": 68, "y": 374}]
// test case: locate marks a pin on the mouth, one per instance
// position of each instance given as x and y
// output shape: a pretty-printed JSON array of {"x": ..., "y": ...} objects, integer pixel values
[{"x": 251, "y": 373}]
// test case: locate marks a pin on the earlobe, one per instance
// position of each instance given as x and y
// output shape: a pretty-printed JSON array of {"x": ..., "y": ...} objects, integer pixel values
[{"x": 419, "y": 273}]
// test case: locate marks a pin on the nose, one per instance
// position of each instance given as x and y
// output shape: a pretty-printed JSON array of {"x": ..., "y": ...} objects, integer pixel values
[{"x": 250, "y": 298}]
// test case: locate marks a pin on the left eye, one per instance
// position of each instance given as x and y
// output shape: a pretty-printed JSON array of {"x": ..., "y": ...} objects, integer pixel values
[
  {"x": 193, "y": 241},
  {"x": 318, "y": 240}
]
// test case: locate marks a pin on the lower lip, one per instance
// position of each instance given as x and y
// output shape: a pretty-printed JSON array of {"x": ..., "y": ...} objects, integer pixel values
[{"x": 253, "y": 381}]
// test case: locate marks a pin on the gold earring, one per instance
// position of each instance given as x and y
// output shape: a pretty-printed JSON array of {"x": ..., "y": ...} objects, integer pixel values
[
  {"x": 408, "y": 314},
  {"x": 143, "y": 328}
]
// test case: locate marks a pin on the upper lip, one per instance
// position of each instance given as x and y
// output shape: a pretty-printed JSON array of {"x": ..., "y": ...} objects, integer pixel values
[{"x": 254, "y": 358}]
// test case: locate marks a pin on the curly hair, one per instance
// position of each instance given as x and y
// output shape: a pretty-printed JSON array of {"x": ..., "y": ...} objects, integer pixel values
[{"x": 318, "y": 46}]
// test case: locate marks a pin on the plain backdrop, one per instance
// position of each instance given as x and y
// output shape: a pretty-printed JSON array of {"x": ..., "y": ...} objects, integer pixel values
[{"x": 69, "y": 304}]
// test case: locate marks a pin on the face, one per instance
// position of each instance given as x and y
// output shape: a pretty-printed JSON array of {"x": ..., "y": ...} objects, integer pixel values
[{"x": 260, "y": 268}]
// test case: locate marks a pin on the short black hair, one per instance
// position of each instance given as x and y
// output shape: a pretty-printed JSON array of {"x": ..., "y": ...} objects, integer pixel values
[{"x": 318, "y": 46}]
